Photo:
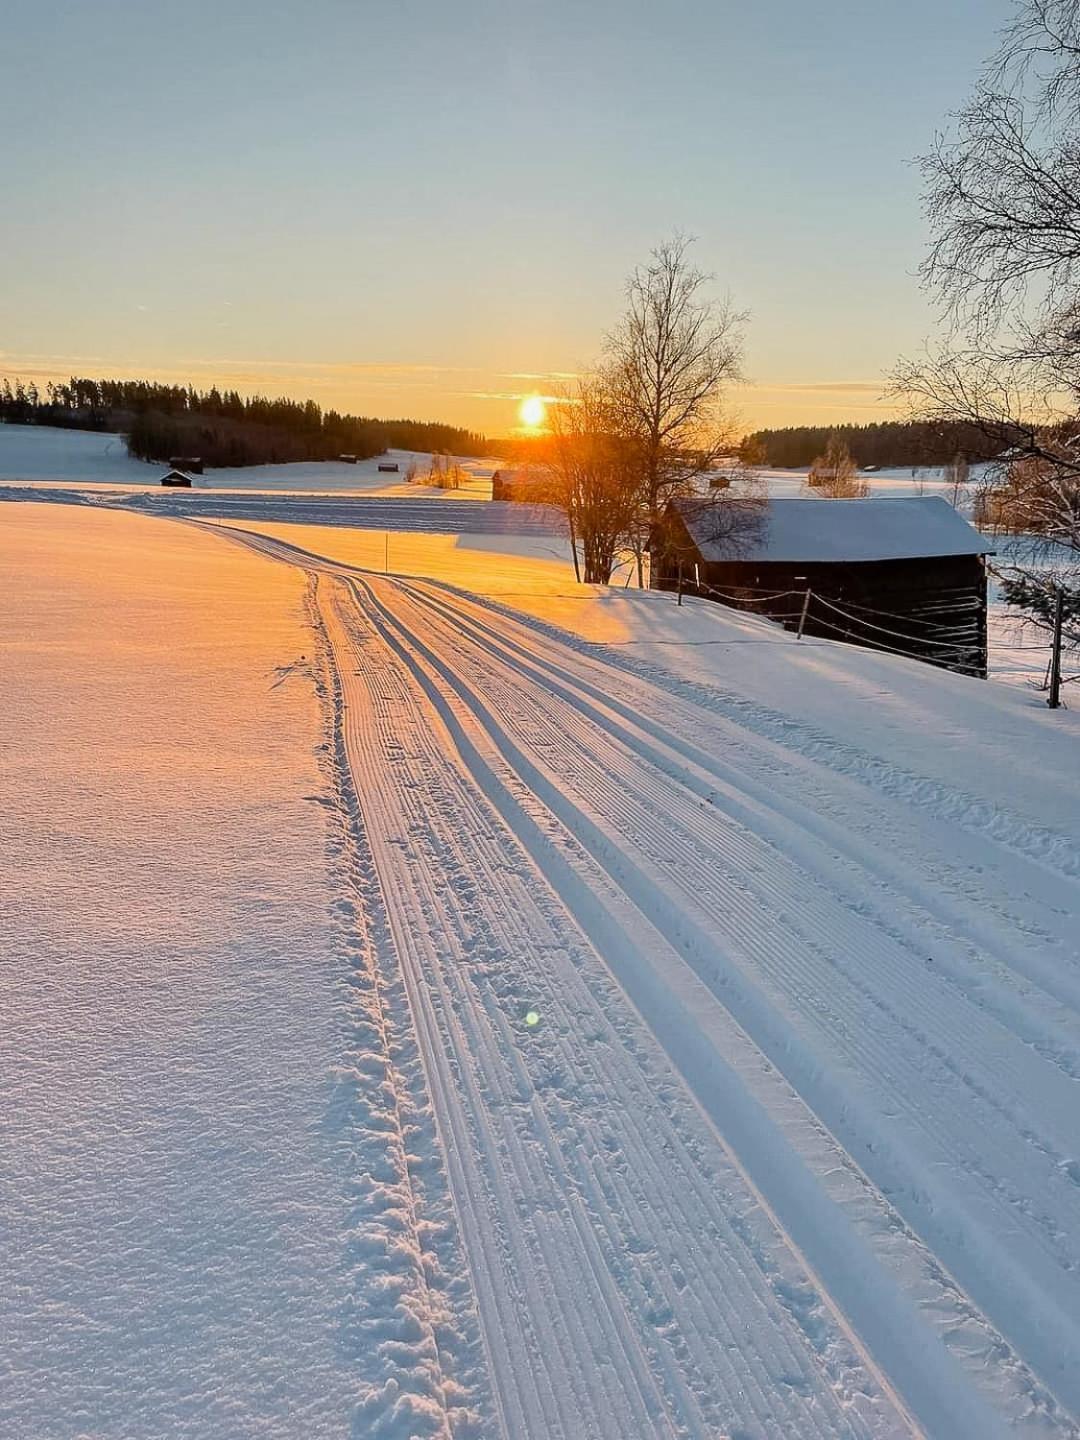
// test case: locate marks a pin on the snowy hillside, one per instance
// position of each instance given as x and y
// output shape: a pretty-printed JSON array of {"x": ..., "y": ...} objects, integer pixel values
[{"x": 477, "y": 1006}]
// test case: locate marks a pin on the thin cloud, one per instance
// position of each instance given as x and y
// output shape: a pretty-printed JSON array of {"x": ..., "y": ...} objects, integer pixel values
[
  {"x": 538, "y": 374},
  {"x": 839, "y": 387}
]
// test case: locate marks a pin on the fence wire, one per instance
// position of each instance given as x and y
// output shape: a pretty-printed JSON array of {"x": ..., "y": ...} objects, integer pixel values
[{"x": 949, "y": 645}]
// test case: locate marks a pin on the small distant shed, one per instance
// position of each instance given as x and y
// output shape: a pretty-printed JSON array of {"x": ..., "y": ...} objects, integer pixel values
[
  {"x": 531, "y": 487},
  {"x": 187, "y": 464},
  {"x": 389, "y": 467},
  {"x": 347, "y": 459},
  {"x": 906, "y": 575},
  {"x": 177, "y": 479}
]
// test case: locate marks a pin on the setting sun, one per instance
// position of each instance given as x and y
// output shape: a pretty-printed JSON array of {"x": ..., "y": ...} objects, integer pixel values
[{"x": 532, "y": 411}]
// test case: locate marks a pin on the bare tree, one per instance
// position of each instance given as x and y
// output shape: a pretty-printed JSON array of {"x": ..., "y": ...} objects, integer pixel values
[
  {"x": 1003, "y": 197},
  {"x": 666, "y": 364},
  {"x": 957, "y": 474},
  {"x": 1034, "y": 485},
  {"x": 1003, "y": 200},
  {"x": 591, "y": 475},
  {"x": 835, "y": 475},
  {"x": 445, "y": 473},
  {"x": 728, "y": 523}
]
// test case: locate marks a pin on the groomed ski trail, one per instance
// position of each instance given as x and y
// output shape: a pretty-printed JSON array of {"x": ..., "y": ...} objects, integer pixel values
[{"x": 790, "y": 1088}]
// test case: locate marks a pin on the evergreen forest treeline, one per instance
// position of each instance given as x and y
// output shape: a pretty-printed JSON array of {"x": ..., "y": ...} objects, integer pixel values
[
  {"x": 226, "y": 428},
  {"x": 221, "y": 426},
  {"x": 888, "y": 443}
]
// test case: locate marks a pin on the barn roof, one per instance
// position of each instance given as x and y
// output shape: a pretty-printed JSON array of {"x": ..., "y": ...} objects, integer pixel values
[{"x": 904, "y": 528}]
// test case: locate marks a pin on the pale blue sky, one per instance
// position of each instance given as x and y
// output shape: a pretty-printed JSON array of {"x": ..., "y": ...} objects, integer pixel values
[{"x": 403, "y": 207}]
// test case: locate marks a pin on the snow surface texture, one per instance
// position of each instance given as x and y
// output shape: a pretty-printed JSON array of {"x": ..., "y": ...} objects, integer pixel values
[
  {"x": 865, "y": 973},
  {"x": 201, "y": 1224},
  {"x": 793, "y": 1147},
  {"x": 861, "y": 971}
]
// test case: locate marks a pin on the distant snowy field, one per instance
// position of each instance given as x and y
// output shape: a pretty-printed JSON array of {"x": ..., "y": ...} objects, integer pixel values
[
  {"x": 900, "y": 480},
  {"x": 43, "y": 457},
  {"x": 45, "y": 454},
  {"x": 42, "y": 453}
]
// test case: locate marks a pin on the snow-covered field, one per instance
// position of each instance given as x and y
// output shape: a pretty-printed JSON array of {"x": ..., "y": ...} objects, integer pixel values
[
  {"x": 884, "y": 484},
  {"x": 43, "y": 454},
  {"x": 77, "y": 465},
  {"x": 458, "y": 1003}
]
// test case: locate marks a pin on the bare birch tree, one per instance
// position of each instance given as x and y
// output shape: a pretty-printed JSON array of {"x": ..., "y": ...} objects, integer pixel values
[
  {"x": 957, "y": 475},
  {"x": 834, "y": 475},
  {"x": 1003, "y": 200},
  {"x": 665, "y": 366}
]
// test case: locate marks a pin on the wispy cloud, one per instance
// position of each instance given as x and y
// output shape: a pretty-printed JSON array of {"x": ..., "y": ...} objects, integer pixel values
[
  {"x": 235, "y": 365},
  {"x": 830, "y": 387},
  {"x": 507, "y": 395},
  {"x": 539, "y": 374}
]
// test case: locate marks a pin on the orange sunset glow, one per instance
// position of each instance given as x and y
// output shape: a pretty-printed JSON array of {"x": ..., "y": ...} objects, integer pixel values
[{"x": 532, "y": 412}]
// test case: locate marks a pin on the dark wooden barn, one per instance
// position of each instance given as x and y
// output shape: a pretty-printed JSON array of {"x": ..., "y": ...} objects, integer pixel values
[
  {"x": 187, "y": 464},
  {"x": 176, "y": 479},
  {"x": 904, "y": 575}
]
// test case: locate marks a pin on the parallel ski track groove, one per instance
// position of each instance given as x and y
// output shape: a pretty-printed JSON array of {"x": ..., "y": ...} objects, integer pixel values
[
  {"x": 752, "y": 801},
  {"x": 1023, "y": 1292},
  {"x": 467, "y": 678},
  {"x": 949, "y": 1047},
  {"x": 710, "y": 1322},
  {"x": 557, "y": 1420},
  {"x": 925, "y": 1374}
]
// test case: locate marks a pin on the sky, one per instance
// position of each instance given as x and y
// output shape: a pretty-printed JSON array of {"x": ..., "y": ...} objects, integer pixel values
[{"x": 429, "y": 207}]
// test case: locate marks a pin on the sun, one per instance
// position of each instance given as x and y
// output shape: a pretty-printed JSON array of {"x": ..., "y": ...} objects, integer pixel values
[{"x": 532, "y": 412}]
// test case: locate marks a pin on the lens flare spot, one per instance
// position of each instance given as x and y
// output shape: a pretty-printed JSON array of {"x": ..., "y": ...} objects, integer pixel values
[{"x": 532, "y": 1018}]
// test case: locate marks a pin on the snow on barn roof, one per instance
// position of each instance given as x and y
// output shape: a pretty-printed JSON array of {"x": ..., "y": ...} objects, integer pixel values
[{"x": 905, "y": 528}]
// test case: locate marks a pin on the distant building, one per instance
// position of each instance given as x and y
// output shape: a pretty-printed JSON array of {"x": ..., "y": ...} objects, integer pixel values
[
  {"x": 902, "y": 575},
  {"x": 389, "y": 467},
  {"x": 177, "y": 479},
  {"x": 347, "y": 459},
  {"x": 187, "y": 464},
  {"x": 529, "y": 486}
]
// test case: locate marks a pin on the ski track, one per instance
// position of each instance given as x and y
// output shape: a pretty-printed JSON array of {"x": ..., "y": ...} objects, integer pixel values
[{"x": 794, "y": 1149}]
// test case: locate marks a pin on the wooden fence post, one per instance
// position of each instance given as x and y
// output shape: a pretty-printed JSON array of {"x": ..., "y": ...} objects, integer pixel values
[
  {"x": 1055, "y": 655},
  {"x": 802, "y": 617}
]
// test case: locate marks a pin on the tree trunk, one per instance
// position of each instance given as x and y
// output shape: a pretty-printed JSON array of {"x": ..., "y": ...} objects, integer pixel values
[{"x": 573, "y": 542}]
